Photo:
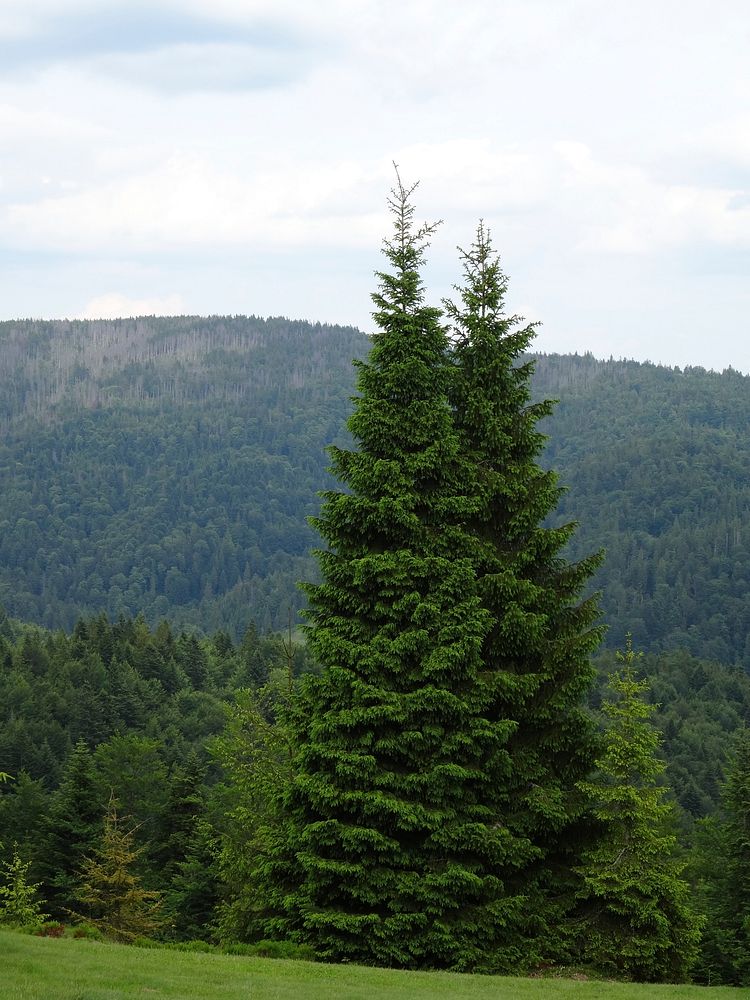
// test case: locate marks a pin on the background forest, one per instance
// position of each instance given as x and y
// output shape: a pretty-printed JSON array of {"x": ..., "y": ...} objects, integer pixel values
[
  {"x": 166, "y": 467},
  {"x": 161, "y": 470}
]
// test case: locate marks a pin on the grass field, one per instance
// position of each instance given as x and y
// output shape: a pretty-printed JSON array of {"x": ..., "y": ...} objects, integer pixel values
[{"x": 47, "y": 969}]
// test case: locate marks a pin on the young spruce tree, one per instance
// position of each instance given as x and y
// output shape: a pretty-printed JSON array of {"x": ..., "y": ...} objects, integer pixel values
[
  {"x": 397, "y": 845},
  {"x": 637, "y": 920},
  {"x": 110, "y": 888},
  {"x": 71, "y": 829},
  {"x": 20, "y": 905},
  {"x": 536, "y": 655}
]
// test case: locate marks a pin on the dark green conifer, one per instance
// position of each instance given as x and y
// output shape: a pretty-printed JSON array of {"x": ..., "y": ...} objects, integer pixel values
[
  {"x": 256, "y": 752},
  {"x": 721, "y": 868},
  {"x": 183, "y": 806},
  {"x": 184, "y": 855},
  {"x": 23, "y": 806},
  {"x": 637, "y": 920},
  {"x": 72, "y": 827},
  {"x": 389, "y": 806},
  {"x": 193, "y": 895},
  {"x": 737, "y": 806},
  {"x": 536, "y": 654}
]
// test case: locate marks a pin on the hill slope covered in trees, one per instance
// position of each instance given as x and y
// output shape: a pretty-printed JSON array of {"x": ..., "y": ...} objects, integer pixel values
[
  {"x": 168, "y": 465},
  {"x": 165, "y": 466}
]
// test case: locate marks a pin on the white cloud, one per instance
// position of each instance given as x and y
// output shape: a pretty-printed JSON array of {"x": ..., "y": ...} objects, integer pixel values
[
  {"x": 19, "y": 124},
  {"x": 188, "y": 202},
  {"x": 114, "y": 305},
  {"x": 191, "y": 202},
  {"x": 623, "y": 209},
  {"x": 727, "y": 139},
  {"x": 20, "y": 18},
  {"x": 201, "y": 67},
  {"x": 479, "y": 176}
]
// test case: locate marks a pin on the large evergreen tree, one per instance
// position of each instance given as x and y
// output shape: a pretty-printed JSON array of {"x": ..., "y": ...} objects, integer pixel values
[
  {"x": 435, "y": 799},
  {"x": 397, "y": 845},
  {"x": 536, "y": 655}
]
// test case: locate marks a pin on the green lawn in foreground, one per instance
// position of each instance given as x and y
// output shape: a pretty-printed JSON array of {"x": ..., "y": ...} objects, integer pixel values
[{"x": 47, "y": 969}]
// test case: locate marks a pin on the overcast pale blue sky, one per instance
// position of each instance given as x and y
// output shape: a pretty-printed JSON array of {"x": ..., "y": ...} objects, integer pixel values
[{"x": 234, "y": 156}]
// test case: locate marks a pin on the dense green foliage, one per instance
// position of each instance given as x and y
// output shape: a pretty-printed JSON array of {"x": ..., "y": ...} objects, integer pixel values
[
  {"x": 166, "y": 466},
  {"x": 173, "y": 474},
  {"x": 737, "y": 901},
  {"x": 698, "y": 706},
  {"x": 536, "y": 654},
  {"x": 119, "y": 678},
  {"x": 121, "y": 708},
  {"x": 256, "y": 753},
  {"x": 656, "y": 462},
  {"x": 196, "y": 830},
  {"x": 391, "y": 826},
  {"x": 433, "y": 809},
  {"x": 721, "y": 863},
  {"x": 636, "y": 916}
]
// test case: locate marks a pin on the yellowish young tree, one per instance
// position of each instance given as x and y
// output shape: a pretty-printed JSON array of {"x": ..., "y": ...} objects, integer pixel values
[{"x": 110, "y": 890}]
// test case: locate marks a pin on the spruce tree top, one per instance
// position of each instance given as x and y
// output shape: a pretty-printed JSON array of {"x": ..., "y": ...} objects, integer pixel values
[{"x": 407, "y": 469}]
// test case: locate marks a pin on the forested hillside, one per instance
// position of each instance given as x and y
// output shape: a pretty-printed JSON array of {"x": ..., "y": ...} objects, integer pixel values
[
  {"x": 167, "y": 466},
  {"x": 657, "y": 462}
]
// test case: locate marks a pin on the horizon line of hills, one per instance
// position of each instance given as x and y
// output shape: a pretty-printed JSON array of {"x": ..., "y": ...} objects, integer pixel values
[
  {"x": 116, "y": 342},
  {"x": 168, "y": 466}
]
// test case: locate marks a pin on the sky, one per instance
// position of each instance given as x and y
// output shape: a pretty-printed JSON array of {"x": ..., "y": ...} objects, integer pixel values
[{"x": 235, "y": 156}]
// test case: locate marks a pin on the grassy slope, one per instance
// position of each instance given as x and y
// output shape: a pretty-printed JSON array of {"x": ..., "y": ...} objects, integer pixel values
[{"x": 44, "y": 969}]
